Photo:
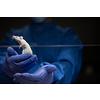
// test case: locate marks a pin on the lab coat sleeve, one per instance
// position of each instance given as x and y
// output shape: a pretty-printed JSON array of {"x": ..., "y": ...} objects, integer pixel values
[
  {"x": 69, "y": 58},
  {"x": 4, "y": 79}
]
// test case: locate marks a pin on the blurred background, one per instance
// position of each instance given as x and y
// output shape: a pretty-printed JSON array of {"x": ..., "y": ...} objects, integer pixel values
[{"x": 88, "y": 30}]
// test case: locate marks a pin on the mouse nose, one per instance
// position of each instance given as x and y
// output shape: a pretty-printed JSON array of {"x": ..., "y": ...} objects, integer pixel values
[{"x": 13, "y": 37}]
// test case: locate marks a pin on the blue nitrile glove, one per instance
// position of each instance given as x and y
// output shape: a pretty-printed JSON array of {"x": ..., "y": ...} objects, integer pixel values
[
  {"x": 15, "y": 63},
  {"x": 44, "y": 75}
]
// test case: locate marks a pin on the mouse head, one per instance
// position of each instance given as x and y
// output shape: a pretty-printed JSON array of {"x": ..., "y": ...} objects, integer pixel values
[{"x": 17, "y": 38}]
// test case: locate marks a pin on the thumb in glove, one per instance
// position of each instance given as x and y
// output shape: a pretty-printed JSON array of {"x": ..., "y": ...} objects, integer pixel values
[{"x": 11, "y": 51}]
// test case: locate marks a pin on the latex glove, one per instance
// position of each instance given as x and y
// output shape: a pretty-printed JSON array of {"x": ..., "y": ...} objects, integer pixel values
[
  {"x": 44, "y": 75},
  {"x": 15, "y": 63}
]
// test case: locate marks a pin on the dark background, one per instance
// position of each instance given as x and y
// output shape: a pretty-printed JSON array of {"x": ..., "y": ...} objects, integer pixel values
[{"x": 88, "y": 29}]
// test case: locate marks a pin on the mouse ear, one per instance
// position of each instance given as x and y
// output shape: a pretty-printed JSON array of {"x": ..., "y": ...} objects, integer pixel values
[{"x": 21, "y": 37}]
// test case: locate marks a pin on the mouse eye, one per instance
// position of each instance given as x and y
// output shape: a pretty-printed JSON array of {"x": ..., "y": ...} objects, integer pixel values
[{"x": 16, "y": 36}]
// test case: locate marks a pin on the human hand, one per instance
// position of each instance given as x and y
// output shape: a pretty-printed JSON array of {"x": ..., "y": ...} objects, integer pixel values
[
  {"x": 15, "y": 63},
  {"x": 44, "y": 75}
]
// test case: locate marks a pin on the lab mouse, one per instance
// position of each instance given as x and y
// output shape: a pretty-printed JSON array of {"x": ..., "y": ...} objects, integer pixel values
[{"x": 26, "y": 47}]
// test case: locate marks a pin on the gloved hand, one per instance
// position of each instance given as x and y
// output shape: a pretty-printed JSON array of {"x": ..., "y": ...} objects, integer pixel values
[
  {"x": 15, "y": 63},
  {"x": 44, "y": 75}
]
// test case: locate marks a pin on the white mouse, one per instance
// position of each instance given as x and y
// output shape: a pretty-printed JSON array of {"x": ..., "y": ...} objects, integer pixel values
[{"x": 26, "y": 47}]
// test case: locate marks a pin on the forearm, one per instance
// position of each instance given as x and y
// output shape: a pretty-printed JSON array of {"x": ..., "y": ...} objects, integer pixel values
[
  {"x": 4, "y": 79},
  {"x": 64, "y": 70},
  {"x": 68, "y": 66},
  {"x": 64, "y": 73}
]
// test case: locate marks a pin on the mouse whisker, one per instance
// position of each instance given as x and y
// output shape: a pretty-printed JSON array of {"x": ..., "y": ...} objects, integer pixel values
[{"x": 11, "y": 37}]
